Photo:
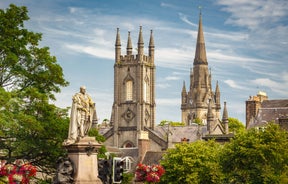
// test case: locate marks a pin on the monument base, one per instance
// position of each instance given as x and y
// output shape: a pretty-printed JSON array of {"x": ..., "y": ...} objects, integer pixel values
[{"x": 83, "y": 154}]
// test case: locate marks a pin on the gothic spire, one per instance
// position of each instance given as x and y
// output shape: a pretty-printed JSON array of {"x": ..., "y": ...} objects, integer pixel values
[
  {"x": 129, "y": 45},
  {"x": 117, "y": 46},
  {"x": 140, "y": 43},
  {"x": 200, "y": 53}
]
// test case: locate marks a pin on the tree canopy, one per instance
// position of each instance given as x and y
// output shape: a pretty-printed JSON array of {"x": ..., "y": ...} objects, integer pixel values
[
  {"x": 196, "y": 162},
  {"x": 235, "y": 125},
  {"x": 253, "y": 156},
  {"x": 30, "y": 127},
  {"x": 257, "y": 156}
]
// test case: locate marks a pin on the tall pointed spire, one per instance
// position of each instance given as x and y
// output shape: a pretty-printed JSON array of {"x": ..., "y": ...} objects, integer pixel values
[
  {"x": 129, "y": 45},
  {"x": 140, "y": 43},
  {"x": 200, "y": 53},
  {"x": 151, "y": 45},
  {"x": 117, "y": 46}
]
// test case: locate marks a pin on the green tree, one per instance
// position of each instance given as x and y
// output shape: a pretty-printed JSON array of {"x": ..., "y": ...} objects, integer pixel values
[
  {"x": 257, "y": 156},
  {"x": 235, "y": 125},
  {"x": 171, "y": 123},
  {"x": 30, "y": 127},
  {"x": 196, "y": 162}
]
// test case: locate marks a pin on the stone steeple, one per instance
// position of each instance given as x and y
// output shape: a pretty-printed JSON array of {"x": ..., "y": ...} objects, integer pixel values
[
  {"x": 200, "y": 52},
  {"x": 195, "y": 101}
]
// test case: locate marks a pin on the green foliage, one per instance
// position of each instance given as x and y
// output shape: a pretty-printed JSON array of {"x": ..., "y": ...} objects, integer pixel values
[
  {"x": 196, "y": 162},
  {"x": 30, "y": 127},
  {"x": 93, "y": 132},
  {"x": 127, "y": 178},
  {"x": 257, "y": 156},
  {"x": 197, "y": 121},
  {"x": 23, "y": 64},
  {"x": 235, "y": 125},
  {"x": 171, "y": 123}
]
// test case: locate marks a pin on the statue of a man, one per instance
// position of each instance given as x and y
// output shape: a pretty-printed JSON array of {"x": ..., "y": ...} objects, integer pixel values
[{"x": 81, "y": 116}]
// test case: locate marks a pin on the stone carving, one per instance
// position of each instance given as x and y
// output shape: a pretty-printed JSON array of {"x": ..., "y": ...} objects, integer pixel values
[
  {"x": 82, "y": 111},
  {"x": 65, "y": 171}
]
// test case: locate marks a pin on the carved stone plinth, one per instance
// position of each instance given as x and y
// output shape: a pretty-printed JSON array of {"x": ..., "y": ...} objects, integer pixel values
[{"x": 84, "y": 156}]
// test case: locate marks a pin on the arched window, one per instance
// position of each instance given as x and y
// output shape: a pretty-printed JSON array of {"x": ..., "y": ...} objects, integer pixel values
[
  {"x": 129, "y": 90},
  {"x": 128, "y": 144},
  {"x": 146, "y": 90}
]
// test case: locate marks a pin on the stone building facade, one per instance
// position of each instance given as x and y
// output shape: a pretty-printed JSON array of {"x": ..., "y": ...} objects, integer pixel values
[{"x": 132, "y": 127}]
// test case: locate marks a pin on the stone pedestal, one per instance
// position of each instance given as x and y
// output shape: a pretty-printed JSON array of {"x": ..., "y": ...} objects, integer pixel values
[{"x": 84, "y": 156}]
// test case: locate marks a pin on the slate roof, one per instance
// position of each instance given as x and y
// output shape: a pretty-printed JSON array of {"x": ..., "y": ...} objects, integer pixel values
[
  {"x": 193, "y": 132},
  {"x": 153, "y": 157},
  {"x": 271, "y": 110}
]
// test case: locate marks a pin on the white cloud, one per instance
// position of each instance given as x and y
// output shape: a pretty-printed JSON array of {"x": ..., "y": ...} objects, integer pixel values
[
  {"x": 278, "y": 87},
  {"x": 185, "y": 19},
  {"x": 233, "y": 84},
  {"x": 254, "y": 13},
  {"x": 93, "y": 51}
]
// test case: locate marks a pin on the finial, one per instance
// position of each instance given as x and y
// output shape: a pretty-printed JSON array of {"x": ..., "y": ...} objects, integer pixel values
[{"x": 200, "y": 10}]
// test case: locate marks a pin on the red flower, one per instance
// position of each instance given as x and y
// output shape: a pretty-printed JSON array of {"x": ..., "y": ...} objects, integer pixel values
[
  {"x": 18, "y": 172},
  {"x": 149, "y": 173}
]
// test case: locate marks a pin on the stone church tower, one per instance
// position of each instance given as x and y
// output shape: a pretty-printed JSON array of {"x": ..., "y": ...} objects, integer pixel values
[
  {"x": 134, "y": 93},
  {"x": 200, "y": 97}
]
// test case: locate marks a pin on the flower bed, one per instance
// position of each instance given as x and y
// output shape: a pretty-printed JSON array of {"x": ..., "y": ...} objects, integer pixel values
[
  {"x": 149, "y": 174},
  {"x": 16, "y": 173}
]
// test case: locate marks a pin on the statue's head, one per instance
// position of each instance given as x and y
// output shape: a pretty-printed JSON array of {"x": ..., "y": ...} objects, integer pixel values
[{"x": 83, "y": 89}]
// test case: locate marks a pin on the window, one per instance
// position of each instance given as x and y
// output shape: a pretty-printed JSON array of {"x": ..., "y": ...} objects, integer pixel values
[
  {"x": 146, "y": 91},
  {"x": 129, "y": 90}
]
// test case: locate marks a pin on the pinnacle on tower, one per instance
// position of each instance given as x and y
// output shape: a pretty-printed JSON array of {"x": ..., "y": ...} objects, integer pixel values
[
  {"x": 129, "y": 45},
  {"x": 117, "y": 46},
  {"x": 140, "y": 43},
  {"x": 151, "y": 45},
  {"x": 225, "y": 119}
]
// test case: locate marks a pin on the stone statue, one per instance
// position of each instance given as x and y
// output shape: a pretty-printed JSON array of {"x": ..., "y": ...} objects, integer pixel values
[
  {"x": 82, "y": 111},
  {"x": 65, "y": 171}
]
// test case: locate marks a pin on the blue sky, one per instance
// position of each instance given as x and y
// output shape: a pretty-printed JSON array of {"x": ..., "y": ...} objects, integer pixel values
[{"x": 246, "y": 45}]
